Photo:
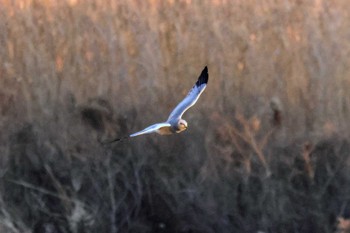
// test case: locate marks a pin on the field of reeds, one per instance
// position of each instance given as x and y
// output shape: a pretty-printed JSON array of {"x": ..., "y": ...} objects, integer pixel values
[{"x": 268, "y": 144}]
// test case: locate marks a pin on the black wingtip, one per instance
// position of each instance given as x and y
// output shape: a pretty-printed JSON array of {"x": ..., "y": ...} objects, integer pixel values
[
  {"x": 203, "y": 78},
  {"x": 113, "y": 140}
]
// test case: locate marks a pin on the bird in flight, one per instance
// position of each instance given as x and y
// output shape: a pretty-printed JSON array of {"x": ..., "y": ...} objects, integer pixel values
[{"x": 175, "y": 124}]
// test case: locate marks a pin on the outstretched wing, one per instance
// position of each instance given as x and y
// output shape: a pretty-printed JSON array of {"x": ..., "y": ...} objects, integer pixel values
[
  {"x": 191, "y": 97},
  {"x": 150, "y": 129}
]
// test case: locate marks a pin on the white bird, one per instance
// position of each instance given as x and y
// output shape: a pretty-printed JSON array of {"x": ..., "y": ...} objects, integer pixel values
[{"x": 175, "y": 124}]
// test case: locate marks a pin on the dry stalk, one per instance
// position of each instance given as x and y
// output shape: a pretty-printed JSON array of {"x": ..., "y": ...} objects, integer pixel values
[{"x": 248, "y": 135}]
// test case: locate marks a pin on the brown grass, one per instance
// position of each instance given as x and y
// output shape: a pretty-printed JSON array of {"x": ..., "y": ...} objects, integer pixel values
[{"x": 267, "y": 146}]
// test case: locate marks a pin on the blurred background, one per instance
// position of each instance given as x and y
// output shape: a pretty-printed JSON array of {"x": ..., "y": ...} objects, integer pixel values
[{"x": 267, "y": 149}]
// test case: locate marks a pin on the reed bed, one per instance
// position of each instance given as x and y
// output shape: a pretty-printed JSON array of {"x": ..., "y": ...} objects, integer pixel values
[{"x": 267, "y": 149}]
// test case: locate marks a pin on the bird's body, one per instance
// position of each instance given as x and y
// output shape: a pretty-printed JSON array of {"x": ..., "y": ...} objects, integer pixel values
[{"x": 175, "y": 123}]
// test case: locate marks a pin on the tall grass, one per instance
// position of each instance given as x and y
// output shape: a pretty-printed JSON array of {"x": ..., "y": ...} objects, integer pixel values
[{"x": 267, "y": 146}]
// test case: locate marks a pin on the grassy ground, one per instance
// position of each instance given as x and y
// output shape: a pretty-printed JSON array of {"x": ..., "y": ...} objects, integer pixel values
[{"x": 268, "y": 142}]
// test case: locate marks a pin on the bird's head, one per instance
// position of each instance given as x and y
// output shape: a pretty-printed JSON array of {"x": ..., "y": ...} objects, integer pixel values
[{"x": 182, "y": 125}]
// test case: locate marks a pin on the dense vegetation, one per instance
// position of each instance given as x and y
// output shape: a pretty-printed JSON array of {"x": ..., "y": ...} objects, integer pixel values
[{"x": 268, "y": 144}]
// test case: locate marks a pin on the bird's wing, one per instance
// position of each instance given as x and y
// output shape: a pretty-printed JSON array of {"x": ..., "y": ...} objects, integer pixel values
[
  {"x": 151, "y": 129},
  {"x": 191, "y": 97}
]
